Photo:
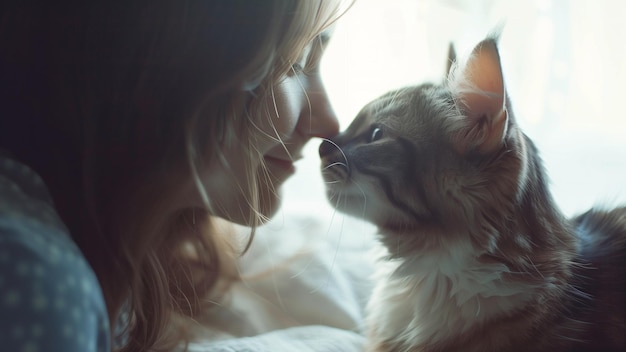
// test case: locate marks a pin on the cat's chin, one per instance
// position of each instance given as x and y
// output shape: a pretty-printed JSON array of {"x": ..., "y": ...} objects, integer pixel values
[
  {"x": 349, "y": 204},
  {"x": 355, "y": 209},
  {"x": 355, "y": 206}
]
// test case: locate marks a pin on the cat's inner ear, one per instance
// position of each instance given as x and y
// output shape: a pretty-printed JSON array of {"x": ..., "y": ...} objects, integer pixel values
[
  {"x": 479, "y": 93},
  {"x": 451, "y": 59}
]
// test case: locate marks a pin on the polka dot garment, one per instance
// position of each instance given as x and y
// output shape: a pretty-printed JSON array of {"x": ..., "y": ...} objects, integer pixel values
[{"x": 50, "y": 299}]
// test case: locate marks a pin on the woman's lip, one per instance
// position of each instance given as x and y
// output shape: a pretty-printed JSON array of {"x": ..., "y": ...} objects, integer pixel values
[{"x": 285, "y": 164}]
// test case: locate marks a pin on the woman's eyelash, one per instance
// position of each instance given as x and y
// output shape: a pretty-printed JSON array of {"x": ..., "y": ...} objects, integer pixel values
[{"x": 297, "y": 67}]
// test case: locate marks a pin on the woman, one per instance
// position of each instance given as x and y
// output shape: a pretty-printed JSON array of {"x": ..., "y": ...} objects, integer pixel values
[{"x": 130, "y": 128}]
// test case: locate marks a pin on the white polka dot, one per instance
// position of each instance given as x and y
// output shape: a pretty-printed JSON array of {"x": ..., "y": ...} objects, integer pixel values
[
  {"x": 76, "y": 313},
  {"x": 48, "y": 218},
  {"x": 37, "y": 181},
  {"x": 39, "y": 240},
  {"x": 81, "y": 339},
  {"x": 40, "y": 302},
  {"x": 70, "y": 257},
  {"x": 38, "y": 285},
  {"x": 30, "y": 347},
  {"x": 104, "y": 323},
  {"x": 9, "y": 164},
  {"x": 59, "y": 303},
  {"x": 17, "y": 332},
  {"x": 11, "y": 298},
  {"x": 54, "y": 253},
  {"x": 13, "y": 187},
  {"x": 85, "y": 285},
  {"x": 68, "y": 331},
  {"x": 36, "y": 330},
  {"x": 22, "y": 169},
  {"x": 21, "y": 268},
  {"x": 30, "y": 206},
  {"x": 38, "y": 270}
]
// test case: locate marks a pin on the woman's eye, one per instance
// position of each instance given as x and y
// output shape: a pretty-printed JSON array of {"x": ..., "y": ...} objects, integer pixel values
[
  {"x": 297, "y": 68},
  {"x": 377, "y": 133}
]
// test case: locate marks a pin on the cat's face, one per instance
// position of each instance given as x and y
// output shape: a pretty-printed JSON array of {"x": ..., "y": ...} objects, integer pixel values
[
  {"x": 384, "y": 166},
  {"x": 430, "y": 157}
]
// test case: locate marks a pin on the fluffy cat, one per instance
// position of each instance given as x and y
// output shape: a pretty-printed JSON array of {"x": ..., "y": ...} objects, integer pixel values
[{"x": 479, "y": 257}]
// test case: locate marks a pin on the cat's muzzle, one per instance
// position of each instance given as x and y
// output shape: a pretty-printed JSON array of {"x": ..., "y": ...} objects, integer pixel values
[{"x": 334, "y": 163}]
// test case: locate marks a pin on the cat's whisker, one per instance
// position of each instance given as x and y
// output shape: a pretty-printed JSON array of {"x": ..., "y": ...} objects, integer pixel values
[
  {"x": 478, "y": 308},
  {"x": 535, "y": 267},
  {"x": 332, "y": 264},
  {"x": 338, "y": 163},
  {"x": 364, "y": 198},
  {"x": 333, "y": 197},
  {"x": 336, "y": 253},
  {"x": 339, "y": 197},
  {"x": 332, "y": 182},
  {"x": 570, "y": 338}
]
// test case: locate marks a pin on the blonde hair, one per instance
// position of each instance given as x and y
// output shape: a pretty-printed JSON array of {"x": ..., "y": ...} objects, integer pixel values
[{"x": 138, "y": 101}]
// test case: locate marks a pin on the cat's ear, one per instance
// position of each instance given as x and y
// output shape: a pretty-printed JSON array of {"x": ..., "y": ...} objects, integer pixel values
[
  {"x": 451, "y": 59},
  {"x": 480, "y": 95}
]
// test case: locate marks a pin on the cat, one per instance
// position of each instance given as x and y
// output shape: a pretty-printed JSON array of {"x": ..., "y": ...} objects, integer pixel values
[{"x": 478, "y": 256}]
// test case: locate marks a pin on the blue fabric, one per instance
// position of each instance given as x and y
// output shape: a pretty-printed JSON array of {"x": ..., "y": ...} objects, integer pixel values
[{"x": 50, "y": 299}]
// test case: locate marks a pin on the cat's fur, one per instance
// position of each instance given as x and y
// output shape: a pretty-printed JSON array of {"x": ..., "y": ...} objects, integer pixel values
[{"x": 479, "y": 257}]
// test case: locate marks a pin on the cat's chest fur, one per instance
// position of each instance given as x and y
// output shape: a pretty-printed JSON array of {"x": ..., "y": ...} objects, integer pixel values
[{"x": 432, "y": 297}]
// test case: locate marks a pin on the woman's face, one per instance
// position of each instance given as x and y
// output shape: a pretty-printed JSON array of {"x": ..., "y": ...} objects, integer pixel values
[{"x": 299, "y": 109}]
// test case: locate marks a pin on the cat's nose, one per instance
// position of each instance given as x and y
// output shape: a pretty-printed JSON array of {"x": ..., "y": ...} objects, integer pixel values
[{"x": 326, "y": 148}]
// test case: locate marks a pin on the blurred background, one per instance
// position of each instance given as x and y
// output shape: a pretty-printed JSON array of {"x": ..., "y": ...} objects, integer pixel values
[{"x": 564, "y": 64}]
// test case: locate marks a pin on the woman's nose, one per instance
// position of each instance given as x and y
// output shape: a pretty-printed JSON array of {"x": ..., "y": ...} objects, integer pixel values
[{"x": 322, "y": 121}]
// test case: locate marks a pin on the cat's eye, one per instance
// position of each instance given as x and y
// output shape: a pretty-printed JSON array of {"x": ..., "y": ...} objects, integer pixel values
[{"x": 377, "y": 133}]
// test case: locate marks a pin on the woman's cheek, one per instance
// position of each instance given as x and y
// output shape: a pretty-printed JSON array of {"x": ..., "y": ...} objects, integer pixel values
[{"x": 287, "y": 103}]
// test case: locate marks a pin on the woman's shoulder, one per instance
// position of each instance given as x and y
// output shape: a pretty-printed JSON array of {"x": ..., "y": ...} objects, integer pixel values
[
  {"x": 28, "y": 221},
  {"x": 49, "y": 296}
]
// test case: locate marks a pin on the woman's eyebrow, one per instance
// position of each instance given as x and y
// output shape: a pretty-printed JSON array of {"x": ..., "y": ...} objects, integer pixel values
[
  {"x": 321, "y": 41},
  {"x": 324, "y": 37}
]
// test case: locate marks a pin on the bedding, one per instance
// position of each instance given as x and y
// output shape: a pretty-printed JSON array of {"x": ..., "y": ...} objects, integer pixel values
[{"x": 304, "y": 288}]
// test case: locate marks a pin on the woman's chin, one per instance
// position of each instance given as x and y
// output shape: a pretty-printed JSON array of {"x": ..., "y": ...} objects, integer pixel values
[
  {"x": 270, "y": 201},
  {"x": 243, "y": 214}
]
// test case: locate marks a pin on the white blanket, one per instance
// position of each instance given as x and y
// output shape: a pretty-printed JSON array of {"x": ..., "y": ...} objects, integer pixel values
[{"x": 307, "y": 278}]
